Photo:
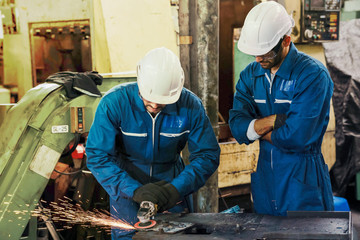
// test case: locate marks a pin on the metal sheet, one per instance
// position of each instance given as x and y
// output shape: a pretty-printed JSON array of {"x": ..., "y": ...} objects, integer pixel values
[
  {"x": 313, "y": 225},
  {"x": 44, "y": 161}
]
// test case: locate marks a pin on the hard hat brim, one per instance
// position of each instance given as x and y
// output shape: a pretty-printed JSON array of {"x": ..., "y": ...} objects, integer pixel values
[
  {"x": 253, "y": 51},
  {"x": 160, "y": 99}
]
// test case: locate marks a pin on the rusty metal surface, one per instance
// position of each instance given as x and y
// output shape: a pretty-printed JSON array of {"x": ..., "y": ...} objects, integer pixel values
[
  {"x": 312, "y": 225},
  {"x": 203, "y": 72}
]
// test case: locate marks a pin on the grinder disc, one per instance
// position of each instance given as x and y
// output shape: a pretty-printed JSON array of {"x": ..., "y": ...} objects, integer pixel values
[{"x": 148, "y": 224}]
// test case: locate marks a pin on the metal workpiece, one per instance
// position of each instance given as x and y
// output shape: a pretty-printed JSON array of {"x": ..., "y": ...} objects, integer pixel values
[{"x": 297, "y": 225}]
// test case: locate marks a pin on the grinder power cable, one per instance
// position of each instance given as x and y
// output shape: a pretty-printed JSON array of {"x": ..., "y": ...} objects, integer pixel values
[{"x": 146, "y": 211}]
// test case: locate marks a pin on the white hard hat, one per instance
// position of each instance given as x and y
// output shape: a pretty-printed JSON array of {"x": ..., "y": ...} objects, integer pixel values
[
  {"x": 160, "y": 76},
  {"x": 264, "y": 26}
]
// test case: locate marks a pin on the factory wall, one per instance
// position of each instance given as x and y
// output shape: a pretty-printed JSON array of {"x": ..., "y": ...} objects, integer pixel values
[
  {"x": 121, "y": 33},
  {"x": 17, "y": 57},
  {"x": 130, "y": 28}
]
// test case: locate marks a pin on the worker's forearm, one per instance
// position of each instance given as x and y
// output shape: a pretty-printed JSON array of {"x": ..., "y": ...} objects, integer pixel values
[
  {"x": 264, "y": 125},
  {"x": 267, "y": 137}
]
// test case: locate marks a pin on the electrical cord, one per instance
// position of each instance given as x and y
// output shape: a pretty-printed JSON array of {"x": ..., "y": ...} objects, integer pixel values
[
  {"x": 76, "y": 142},
  {"x": 71, "y": 173}
]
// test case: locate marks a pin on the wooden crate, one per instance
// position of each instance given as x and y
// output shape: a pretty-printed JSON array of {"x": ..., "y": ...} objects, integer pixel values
[
  {"x": 237, "y": 162},
  {"x": 328, "y": 148}
]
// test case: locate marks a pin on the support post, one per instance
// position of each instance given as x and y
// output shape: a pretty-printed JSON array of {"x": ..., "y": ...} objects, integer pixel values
[{"x": 204, "y": 29}]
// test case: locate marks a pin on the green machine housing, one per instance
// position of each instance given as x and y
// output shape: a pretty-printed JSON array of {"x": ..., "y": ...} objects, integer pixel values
[{"x": 34, "y": 134}]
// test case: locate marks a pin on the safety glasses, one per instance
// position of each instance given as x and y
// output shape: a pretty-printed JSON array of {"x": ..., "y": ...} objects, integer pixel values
[{"x": 273, "y": 52}]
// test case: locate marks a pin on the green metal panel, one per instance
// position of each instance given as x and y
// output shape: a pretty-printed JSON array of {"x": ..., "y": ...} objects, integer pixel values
[
  {"x": 110, "y": 82},
  {"x": 351, "y": 10},
  {"x": 4, "y": 108},
  {"x": 29, "y": 149},
  {"x": 18, "y": 117},
  {"x": 241, "y": 60}
]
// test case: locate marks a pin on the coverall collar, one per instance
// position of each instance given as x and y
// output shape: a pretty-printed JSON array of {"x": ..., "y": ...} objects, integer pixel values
[
  {"x": 287, "y": 64},
  {"x": 170, "y": 109}
]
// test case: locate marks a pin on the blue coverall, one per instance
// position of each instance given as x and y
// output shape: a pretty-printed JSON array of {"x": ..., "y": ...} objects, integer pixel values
[
  {"x": 127, "y": 148},
  {"x": 291, "y": 173}
]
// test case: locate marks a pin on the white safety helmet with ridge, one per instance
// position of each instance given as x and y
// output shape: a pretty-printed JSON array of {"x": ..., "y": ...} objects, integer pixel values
[
  {"x": 160, "y": 76},
  {"x": 264, "y": 26}
]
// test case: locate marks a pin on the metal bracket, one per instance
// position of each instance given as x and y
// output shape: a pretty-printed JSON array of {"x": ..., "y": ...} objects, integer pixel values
[{"x": 186, "y": 40}]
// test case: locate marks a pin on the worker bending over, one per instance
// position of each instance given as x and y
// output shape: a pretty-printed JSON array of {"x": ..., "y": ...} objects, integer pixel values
[
  {"x": 139, "y": 131},
  {"x": 282, "y": 99}
]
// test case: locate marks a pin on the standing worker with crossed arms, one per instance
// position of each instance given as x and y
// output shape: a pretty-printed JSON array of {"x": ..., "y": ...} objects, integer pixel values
[{"x": 283, "y": 100}]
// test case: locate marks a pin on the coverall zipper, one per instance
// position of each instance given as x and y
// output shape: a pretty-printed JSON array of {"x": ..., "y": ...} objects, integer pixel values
[
  {"x": 270, "y": 82},
  {"x": 153, "y": 139}
]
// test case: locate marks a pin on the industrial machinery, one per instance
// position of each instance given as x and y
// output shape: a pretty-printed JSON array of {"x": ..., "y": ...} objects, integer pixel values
[
  {"x": 321, "y": 20},
  {"x": 34, "y": 135}
]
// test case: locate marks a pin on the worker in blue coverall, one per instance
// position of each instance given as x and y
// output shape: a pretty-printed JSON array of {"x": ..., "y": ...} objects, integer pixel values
[
  {"x": 282, "y": 99},
  {"x": 134, "y": 145}
]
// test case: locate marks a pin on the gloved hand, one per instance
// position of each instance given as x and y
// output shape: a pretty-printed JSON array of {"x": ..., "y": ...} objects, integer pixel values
[
  {"x": 153, "y": 192},
  {"x": 279, "y": 120},
  {"x": 173, "y": 194}
]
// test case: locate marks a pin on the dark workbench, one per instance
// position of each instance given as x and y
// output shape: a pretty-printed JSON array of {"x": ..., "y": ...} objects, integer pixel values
[{"x": 297, "y": 225}]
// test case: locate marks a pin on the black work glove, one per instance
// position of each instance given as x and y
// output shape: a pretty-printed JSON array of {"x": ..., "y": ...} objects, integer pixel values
[
  {"x": 153, "y": 192},
  {"x": 173, "y": 194},
  {"x": 279, "y": 120}
]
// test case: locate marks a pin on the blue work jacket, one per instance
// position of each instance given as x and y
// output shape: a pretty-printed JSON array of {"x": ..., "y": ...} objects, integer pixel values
[
  {"x": 291, "y": 173},
  {"x": 127, "y": 147}
]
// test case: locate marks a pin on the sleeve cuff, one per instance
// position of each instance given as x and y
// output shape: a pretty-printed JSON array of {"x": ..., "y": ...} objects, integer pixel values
[{"x": 251, "y": 133}]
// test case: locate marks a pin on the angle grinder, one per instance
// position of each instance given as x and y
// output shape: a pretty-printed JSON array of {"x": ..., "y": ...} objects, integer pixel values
[{"x": 146, "y": 211}]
